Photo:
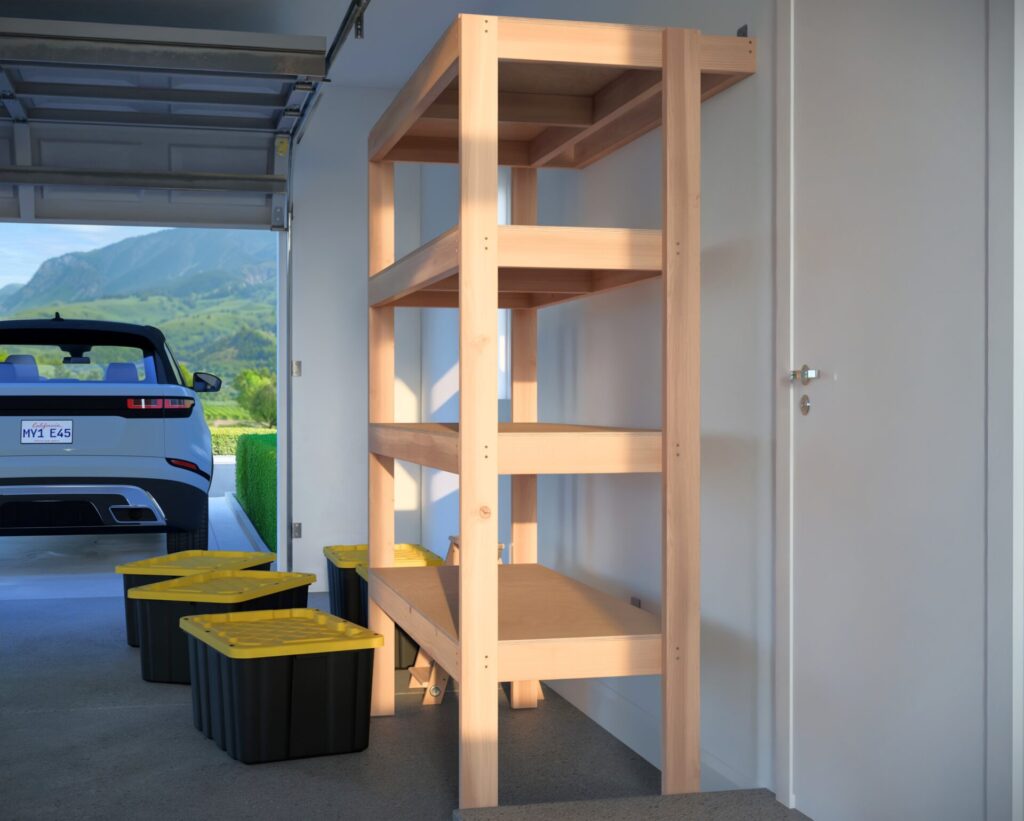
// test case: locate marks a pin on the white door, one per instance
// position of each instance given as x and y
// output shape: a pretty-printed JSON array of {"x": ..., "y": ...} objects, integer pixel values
[{"x": 888, "y": 470}]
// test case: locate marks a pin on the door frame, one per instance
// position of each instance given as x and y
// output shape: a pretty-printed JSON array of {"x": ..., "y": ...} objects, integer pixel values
[
  {"x": 1004, "y": 531},
  {"x": 785, "y": 416}
]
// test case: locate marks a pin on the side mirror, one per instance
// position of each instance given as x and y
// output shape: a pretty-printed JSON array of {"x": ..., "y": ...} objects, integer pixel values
[{"x": 205, "y": 382}]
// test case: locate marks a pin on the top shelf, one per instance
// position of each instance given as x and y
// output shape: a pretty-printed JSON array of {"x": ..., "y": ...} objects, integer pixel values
[{"x": 569, "y": 93}]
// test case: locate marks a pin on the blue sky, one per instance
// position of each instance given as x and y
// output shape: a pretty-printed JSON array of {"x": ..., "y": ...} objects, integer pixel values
[{"x": 25, "y": 246}]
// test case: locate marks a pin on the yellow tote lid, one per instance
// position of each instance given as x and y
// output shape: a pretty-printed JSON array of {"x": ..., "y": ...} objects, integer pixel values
[
  {"x": 268, "y": 633},
  {"x": 190, "y": 562},
  {"x": 222, "y": 586},
  {"x": 357, "y": 555}
]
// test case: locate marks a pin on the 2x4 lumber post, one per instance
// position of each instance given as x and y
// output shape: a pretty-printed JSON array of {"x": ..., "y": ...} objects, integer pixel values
[
  {"x": 381, "y": 479},
  {"x": 524, "y": 694},
  {"x": 478, "y": 410},
  {"x": 681, "y": 433}
]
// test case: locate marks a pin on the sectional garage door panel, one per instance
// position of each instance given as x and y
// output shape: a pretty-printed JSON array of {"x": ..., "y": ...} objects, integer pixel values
[
  {"x": 144, "y": 125},
  {"x": 134, "y": 152}
]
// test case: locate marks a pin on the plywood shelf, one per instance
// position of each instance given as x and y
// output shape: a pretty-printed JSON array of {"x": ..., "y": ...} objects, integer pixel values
[
  {"x": 569, "y": 93},
  {"x": 549, "y": 625},
  {"x": 526, "y": 448},
  {"x": 537, "y": 265}
]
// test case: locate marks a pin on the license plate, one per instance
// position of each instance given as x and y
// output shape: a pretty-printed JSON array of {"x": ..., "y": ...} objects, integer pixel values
[{"x": 46, "y": 432}]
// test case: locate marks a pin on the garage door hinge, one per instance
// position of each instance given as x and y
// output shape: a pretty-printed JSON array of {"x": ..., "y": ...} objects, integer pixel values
[{"x": 296, "y": 530}]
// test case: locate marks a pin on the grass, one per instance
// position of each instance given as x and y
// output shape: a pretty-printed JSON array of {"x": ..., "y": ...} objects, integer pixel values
[
  {"x": 219, "y": 413},
  {"x": 225, "y": 438},
  {"x": 256, "y": 483}
]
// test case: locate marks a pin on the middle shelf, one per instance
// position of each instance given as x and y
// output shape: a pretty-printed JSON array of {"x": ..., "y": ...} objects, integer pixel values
[
  {"x": 538, "y": 265},
  {"x": 549, "y": 625},
  {"x": 526, "y": 447}
]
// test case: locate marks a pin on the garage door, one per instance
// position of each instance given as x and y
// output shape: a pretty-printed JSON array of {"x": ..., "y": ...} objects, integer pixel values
[{"x": 151, "y": 126}]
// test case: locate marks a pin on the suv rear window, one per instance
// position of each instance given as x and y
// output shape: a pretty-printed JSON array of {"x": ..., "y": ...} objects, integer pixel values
[{"x": 77, "y": 362}]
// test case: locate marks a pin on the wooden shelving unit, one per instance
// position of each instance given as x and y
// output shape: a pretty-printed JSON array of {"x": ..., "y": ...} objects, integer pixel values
[{"x": 533, "y": 94}]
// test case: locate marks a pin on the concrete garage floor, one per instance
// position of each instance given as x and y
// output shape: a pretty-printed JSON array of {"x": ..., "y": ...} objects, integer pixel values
[{"x": 84, "y": 737}]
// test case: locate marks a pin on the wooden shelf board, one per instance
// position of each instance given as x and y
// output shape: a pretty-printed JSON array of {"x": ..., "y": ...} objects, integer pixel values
[
  {"x": 561, "y": 84},
  {"x": 542, "y": 263},
  {"x": 549, "y": 625},
  {"x": 526, "y": 447}
]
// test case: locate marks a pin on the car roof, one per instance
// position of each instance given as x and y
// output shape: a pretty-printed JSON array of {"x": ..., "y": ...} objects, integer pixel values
[{"x": 40, "y": 329}]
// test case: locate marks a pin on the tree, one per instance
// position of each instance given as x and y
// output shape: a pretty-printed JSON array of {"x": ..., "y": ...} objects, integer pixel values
[{"x": 257, "y": 393}]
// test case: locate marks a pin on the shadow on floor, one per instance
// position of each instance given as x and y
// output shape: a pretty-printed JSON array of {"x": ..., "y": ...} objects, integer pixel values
[{"x": 84, "y": 737}]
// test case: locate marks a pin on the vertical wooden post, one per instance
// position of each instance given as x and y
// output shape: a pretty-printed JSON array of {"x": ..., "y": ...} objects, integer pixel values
[
  {"x": 381, "y": 339},
  {"x": 478, "y": 410},
  {"x": 681, "y": 430},
  {"x": 524, "y": 694}
]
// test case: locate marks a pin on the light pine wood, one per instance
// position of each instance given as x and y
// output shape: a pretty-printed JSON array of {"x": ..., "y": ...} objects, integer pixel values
[
  {"x": 724, "y": 56},
  {"x": 434, "y": 74},
  {"x": 554, "y": 94},
  {"x": 572, "y": 81},
  {"x": 478, "y": 411},
  {"x": 550, "y": 626},
  {"x": 532, "y": 280},
  {"x": 381, "y": 392},
  {"x": 441, "y": 646},
  {"x": 429, "y": 444},
  {"x": 526, "y": 448},
  {"x": 524, "y": 369},
  {"x": 427, "y": 265},
  {"x": 532, "y": 259},
  {"x": 523, "y": 108},
  {"x": 525, "y": 694},
  {"x": 563, "y": 41},
  {"x": 681, "y": 411},
  {"x": 615, "y": 101},
  {"x": 544, "y": 246},
  {"x": 620, "y": 132},
  {"x": 445, "y": 150}
]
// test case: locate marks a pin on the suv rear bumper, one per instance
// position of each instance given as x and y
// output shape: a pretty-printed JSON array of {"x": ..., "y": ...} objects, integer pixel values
[{"x": 54, "y": 506}]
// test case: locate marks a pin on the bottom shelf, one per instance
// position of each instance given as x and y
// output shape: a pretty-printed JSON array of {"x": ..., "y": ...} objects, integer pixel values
[{"x": 549, "y": 626}]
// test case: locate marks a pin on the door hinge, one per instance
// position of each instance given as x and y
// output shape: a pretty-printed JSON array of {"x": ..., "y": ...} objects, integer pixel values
[
  {"x": 296, "y": 367},
  {"x": 296, "y": 530}
]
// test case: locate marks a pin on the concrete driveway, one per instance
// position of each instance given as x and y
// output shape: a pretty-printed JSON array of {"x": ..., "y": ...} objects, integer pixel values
[{"x": 55, "y": 567}]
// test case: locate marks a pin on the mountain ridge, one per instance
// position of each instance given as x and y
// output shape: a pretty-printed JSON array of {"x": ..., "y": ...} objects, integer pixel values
[
  {"x": 151, "y": 263},
  {"x": 212, "y": 292}
]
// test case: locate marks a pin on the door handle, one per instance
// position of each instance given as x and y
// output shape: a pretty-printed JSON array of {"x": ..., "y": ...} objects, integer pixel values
[{"x": 805, "y": 375}]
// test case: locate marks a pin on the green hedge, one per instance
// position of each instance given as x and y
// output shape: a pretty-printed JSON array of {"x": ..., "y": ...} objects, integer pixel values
[
  {"x": 256, "y": 482},
  {"x": 225, "y": 439}
]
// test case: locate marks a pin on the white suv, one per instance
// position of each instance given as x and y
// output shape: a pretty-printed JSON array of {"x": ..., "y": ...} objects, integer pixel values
[{"x": 100, "y": 434}]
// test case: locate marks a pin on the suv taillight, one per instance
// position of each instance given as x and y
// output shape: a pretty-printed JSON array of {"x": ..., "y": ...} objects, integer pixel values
[
  {"x": 150, "y": 403},
  {"x": 145, "y": 403}
]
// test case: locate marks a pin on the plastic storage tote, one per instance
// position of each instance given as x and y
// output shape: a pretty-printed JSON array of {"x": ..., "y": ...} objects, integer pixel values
[
  {"x": 349, "y": 593},
  {"x": 160, "y": 607},
  {"x": 278, "y": 684},
  {"x": 183, "y": 563}
]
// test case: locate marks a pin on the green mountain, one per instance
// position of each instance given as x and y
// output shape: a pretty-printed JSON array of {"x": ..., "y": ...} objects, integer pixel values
[
  {"x": 8, "y": 291},
  {"x": 212, "y": 292},
  {"x": 176, "y": 262}
]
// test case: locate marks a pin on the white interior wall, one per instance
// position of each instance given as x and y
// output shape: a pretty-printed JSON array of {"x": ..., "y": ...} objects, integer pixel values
[
  {"x": 600, "y": 364},
  {"x": 329, "y": 297}
]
